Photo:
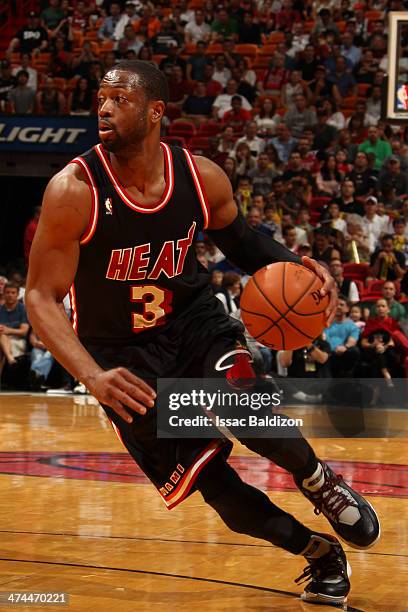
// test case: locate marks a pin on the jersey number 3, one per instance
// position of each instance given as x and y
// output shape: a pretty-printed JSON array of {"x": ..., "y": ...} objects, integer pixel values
[{"x": 156, "y": 304}]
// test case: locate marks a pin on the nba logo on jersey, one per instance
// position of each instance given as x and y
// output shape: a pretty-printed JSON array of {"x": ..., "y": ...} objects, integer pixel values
[{"x": 108, "y": 206}]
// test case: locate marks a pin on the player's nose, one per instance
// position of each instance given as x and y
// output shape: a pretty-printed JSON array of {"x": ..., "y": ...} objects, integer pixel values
[{"x": 105, "y": 109}]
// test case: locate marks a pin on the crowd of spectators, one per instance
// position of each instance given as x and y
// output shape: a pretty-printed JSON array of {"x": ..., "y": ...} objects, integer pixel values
[{"x": 285, "y": 95}]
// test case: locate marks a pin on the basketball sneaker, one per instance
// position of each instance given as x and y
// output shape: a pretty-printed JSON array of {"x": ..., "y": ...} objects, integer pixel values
[
  {"x": 327, "y": 571},
  {"x": 350, "y": 515}
]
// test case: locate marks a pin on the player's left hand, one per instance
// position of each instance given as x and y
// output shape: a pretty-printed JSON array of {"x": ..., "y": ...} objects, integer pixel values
[{"x": 329, "y": 286}]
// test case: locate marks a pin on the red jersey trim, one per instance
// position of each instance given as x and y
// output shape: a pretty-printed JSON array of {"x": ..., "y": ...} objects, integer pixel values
[
  {"x": 74, "y": 312},
  {"x": 90, "y": 230},
  {"x": 117, "y": 432},
  {"x": 184, "y": 486},
  {"x": 125, "y": 197},
  {"x": 198, "y": 181}
]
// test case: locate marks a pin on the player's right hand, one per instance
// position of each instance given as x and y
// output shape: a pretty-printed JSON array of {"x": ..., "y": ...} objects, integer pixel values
[{"x": 119, "y": 388}]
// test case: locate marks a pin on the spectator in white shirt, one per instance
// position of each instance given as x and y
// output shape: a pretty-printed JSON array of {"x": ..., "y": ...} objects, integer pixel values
[
  {"x": 373, "y": 223},
  {"x": 32, "y": 72},
  {"x": 345, "y": 286},
  {"x": 253, "y": 141},
  {"x": 336, "y": 220},
  {"x": 197, "y": 29},
  {"x": 222, "y": 103},
  {"x": 374, "y": 101},
  {"x": 221, "y": 72},
  {"x": 299, "y": 41},
  {"x": 128, "y": 17}
]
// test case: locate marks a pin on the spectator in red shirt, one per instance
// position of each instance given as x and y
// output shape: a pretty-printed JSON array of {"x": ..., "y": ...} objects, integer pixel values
[
  {"x": 179, "y": 87},
  {"x": 30, "y": 232},
  {"x": 237, "y": 117},
  {"x": 212, "y": 87},
  {"x": 286, "y": 16},
  {"x": 378, "y": 348}
]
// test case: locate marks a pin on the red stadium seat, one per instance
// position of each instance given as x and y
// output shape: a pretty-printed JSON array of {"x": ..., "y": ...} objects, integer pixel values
[
  {"x": 247, "y": 50},
  {"x": 214, "y": 49},
  {"x": 199, "y": 145},
  {"x": 268, "y": 49},
  {"x": 262, "y": 62},
  {"x": 276, "y": 37},
  {"x": 172, "y": 112},
  {"x": 373, "y": 15},
  {"x": 356, "y": 271},
  {"x": 209, "y": 129},
  {"x": 375, "y": 286},
  {"x": 184, "y": 125},
  {"x": 372, "y": 297},
  {"x": 178, "y": 141}
]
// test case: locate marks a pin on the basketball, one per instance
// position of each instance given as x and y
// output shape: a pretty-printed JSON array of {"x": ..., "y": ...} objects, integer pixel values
[{"x": 282, "y": 306}]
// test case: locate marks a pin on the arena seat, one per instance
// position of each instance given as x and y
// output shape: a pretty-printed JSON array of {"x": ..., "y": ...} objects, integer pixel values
[
  {"x": 247, "y": 50},
  {"x": 262, "y": 62},
  {"x": 356, "y": 271},
  {"x": 178, "y": 141},
  {"x": 268, "y": 49},
  {"x": 211, "y": 128},
  {"x": 276, "y": 37},
  {"x": 374, "y": 286},
  {"x": 182, "y": 128},
  {"x": 199, "y": 145},
  {"x": 214, "y": 49},
  {"x": 172, "y": 112}
]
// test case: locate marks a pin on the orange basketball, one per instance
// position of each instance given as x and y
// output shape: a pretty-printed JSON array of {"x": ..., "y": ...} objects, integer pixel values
[{"x": 282, "y": 306}]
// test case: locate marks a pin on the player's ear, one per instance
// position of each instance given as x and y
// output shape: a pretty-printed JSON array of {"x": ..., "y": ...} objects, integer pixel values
[{"x": 156, "y": 111}]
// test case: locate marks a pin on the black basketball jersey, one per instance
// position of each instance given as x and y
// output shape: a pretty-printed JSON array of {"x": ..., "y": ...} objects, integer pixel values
[{"x": 137, "y": 266}]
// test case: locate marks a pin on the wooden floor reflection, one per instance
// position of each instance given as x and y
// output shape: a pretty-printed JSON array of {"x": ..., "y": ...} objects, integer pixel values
[{"x": 77, "y": 517}]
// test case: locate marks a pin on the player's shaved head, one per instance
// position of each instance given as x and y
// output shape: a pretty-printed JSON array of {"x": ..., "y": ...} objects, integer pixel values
[{"x": 138, "y": 74}]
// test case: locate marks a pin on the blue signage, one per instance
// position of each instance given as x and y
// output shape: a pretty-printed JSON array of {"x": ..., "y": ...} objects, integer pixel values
[{"x": 48, "y": 134}]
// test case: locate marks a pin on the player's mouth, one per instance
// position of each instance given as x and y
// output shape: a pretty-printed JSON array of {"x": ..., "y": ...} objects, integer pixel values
[{"x": 105, "y": 129}]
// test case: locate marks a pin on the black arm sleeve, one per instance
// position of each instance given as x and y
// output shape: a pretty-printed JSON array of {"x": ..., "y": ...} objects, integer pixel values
[{"x": 249, "y": 249}]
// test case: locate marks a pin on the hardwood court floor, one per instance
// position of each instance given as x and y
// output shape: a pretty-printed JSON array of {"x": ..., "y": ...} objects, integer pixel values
[{"x": 78, "y": 516}]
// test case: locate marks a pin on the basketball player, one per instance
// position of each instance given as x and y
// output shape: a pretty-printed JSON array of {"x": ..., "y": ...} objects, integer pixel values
[
  {"x": 117, "y": 226},
  {"x": 402, "y": 97}
]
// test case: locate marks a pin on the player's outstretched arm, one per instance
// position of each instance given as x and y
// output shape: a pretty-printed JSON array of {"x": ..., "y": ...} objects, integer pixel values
[
  {"x": 248, "y": 248},
  {"x": 53, "y": 262}
]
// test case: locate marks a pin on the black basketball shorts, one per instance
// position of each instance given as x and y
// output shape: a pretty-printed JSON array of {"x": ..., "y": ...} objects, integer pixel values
[{"x": 172, "y": 465}]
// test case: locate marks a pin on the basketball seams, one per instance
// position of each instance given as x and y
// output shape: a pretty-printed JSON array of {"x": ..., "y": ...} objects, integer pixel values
[
  {"x": 257, "y": 314},
  {"x": 291, "y": 307},
  {"x": 283, "y": 316}
]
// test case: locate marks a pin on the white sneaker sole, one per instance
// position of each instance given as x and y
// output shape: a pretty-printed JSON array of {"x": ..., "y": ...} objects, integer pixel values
[{"x": 321, "y": 598}]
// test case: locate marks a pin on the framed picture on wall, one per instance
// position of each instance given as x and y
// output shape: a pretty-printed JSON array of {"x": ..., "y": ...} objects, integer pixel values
[{"x": 395, "y": 106}]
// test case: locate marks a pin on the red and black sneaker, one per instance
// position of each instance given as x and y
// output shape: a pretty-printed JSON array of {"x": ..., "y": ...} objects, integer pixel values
[
  {"x": 327, "y": 572},
  {"x": 351, "y": 516}
]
